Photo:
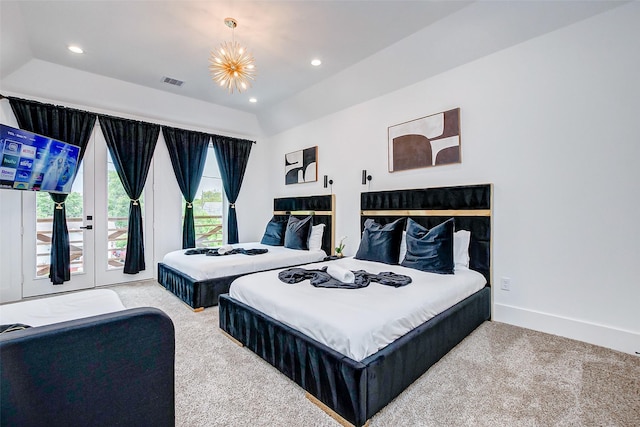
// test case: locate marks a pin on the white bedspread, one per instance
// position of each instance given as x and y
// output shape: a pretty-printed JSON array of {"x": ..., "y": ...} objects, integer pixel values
[
  {"x": 61, "y": 308},
  {"x": 202, "y": 267},
  {"x": 356, "y": 322}
]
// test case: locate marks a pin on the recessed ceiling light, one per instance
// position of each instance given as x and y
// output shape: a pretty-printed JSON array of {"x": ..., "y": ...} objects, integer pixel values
[
  {"x": 75, "y": 49},
  {"x": 253, "y": 100},
  {"x": 316, "y": 62}
]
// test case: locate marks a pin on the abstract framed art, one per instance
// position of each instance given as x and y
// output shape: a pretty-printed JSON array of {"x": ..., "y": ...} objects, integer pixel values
[
  {"x": 425, "y": 142},
  {"x": 301, "y": 166}
]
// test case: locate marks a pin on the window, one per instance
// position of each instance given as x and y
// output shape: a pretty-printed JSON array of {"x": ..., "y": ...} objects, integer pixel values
[{"x": 208, "y": 204}]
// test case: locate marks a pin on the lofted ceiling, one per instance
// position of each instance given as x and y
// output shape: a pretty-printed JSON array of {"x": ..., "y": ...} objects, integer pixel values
[{"x": 368, "y": 48}]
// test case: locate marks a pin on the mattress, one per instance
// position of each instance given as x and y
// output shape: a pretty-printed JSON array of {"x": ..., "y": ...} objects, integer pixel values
[
  {"x": 61, "y": 308},
  {"x": 356, "y": 322},
  {"x": 203, "y": 267}
]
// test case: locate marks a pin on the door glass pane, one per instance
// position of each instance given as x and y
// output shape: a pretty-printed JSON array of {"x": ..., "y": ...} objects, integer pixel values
[
  {"x": 118, "y": 217},
  {"x": 44, "y": 228},
  {"x": 207, "y": 206}
]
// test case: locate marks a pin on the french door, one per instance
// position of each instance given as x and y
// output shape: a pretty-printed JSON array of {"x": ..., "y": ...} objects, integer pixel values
[{"x": 97, "y": 219}]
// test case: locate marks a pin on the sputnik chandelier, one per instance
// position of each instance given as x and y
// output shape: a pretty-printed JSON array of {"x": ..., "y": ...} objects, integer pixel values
[{"x": 231, "y": 66}]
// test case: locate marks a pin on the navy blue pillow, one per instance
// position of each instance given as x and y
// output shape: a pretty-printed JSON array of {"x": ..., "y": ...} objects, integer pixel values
[
  {"x": 274, "y": 233},
  {"x": 381, "y": 243},
  {"x": 430, "y": 250},
  {"x": 297, "y": 233}
]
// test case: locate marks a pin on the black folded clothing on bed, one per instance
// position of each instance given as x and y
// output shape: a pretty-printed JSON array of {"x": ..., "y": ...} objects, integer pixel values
[
  {"x": 214, "y": 252},
  {"x": 322, "y": 279},
  {"x": 13, "y": 327},
  {"x": 238, "y": 251}
]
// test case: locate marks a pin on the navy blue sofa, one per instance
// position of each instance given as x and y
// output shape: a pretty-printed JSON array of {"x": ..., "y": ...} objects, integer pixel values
[{"x": 114, "y": 369}]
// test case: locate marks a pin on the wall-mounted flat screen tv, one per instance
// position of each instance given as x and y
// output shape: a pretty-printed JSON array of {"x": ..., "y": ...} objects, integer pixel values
[{"x": 35, "y": 162}]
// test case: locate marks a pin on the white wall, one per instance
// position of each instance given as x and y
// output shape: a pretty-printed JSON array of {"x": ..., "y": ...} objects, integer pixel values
[
  {"x": 10, "y": 231},
  {"x": 553, "y": 124},
  {"x": 254, "y": 206}
]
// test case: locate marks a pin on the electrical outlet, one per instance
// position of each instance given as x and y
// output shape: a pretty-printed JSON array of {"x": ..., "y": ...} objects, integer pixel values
[{"x": 505, "y": 284}]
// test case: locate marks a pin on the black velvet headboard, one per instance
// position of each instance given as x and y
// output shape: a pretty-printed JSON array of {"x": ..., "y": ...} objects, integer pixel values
[
  {"x": 322, "y": 208},
  {"x": 469, "y": 205}
]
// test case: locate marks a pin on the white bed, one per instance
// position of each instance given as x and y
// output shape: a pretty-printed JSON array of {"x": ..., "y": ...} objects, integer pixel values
[
  {"x": 357, "y": 322},
  {"x": 61, "y": 308},
  {"x": 203, "y": 267},
  {"x": 332, "y": 359},
  {"x": 199, "y": 280}
]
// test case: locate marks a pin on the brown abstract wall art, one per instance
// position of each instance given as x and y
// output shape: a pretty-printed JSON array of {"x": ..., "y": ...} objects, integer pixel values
[
  {"x": 301, "y": 166},
  {"x": 429, "y": 141}
]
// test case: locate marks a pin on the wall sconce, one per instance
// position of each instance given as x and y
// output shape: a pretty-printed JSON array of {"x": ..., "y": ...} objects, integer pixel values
[
  {"x": 365, "y": 177},
  {"x": 327, "y": 181}
]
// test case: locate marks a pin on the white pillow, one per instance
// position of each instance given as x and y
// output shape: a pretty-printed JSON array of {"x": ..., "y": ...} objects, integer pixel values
[
  {"x": 461, "y": 240},
  {"x": 403, "y": 247},
  {"x": 315, "y": 239}
]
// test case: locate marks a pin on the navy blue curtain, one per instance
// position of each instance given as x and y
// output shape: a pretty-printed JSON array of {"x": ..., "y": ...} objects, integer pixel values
[
  {"x": 131, "y": 145},
  {"x": 232, "y": 155},
  {"x": 188, "y": 154},
  {"x": 67, "y": 125}
]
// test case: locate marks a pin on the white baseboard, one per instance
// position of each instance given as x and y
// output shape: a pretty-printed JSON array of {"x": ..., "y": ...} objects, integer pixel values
[{"x": 605, "y": 336}]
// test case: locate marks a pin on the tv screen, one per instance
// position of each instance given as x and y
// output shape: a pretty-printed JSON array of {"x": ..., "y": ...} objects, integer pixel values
[{"x": 35, "y": 162}]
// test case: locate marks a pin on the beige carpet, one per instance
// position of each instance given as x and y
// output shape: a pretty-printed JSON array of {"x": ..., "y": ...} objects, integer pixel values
[{"x": 500, "y": 375}]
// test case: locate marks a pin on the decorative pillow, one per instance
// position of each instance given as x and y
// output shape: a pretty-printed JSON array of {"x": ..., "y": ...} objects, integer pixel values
[
  {"x": 461, "y": 239},
  {"x": 274, "y": 233},
  {"x": 315, "y": 239},
  {"x": 430, "y": 250},
  {"x": 381, "y": 243},
  {"x": 297, "y": 233}
]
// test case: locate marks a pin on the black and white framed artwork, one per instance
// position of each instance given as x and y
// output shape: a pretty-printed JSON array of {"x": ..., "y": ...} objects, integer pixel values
[
  {"x": 429, "y": 141},
  {"x": 301, "y": 166}
]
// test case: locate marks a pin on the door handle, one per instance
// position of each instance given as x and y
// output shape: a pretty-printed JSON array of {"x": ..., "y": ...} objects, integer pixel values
[{"x": 88, "y": 227}]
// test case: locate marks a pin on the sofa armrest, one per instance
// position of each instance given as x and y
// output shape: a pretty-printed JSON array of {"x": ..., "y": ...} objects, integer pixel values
[{"x": 106, "y": 370}]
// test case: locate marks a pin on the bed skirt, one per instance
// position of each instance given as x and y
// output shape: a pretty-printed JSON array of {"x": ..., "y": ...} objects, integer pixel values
[
  {"x": 196, "y": 293},
  {"x": 354, "y": 390}
]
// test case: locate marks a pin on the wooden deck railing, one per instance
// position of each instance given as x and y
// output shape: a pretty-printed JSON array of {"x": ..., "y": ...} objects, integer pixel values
[
  {"x": 208, "y": 230},
  {"x": 208, "y": 234}
]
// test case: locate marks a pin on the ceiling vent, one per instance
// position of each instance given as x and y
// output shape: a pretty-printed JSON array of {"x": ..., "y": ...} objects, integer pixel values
[{"x": 174, "y": 82}]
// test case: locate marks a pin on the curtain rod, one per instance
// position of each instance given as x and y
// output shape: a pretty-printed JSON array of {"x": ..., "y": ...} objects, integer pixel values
[{"x": 142, "y": 121}]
